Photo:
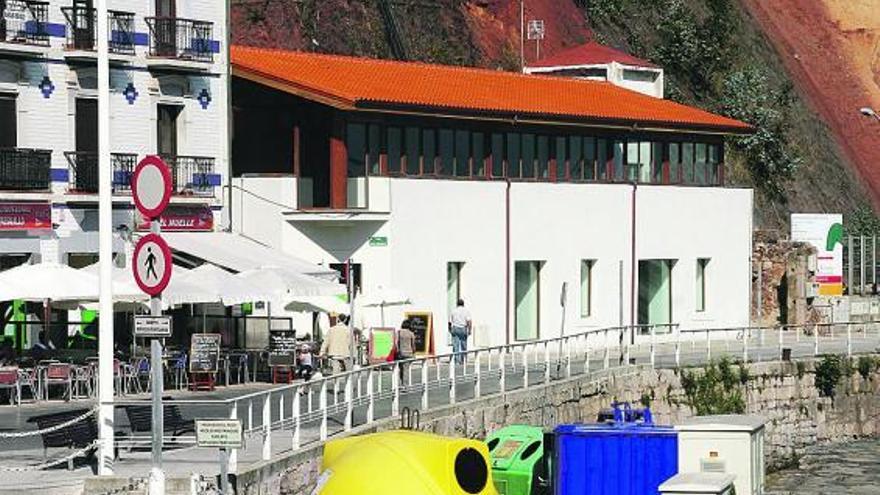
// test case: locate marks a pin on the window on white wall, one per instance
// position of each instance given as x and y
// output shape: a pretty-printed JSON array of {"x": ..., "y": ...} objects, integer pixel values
[
  {"x": 527, "y": 296},
  {"x": 453, "y": 284},
  {"x": 587, "y": 287},
  {"x": 702, "y": 263},
  {"x": 8, "y": 125}
]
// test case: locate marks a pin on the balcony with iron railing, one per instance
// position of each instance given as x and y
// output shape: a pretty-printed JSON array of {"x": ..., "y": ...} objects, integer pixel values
[
  {"x": 23, "y": 169},
  {"x": 82, "y": 30},
  {"x": 181, "y": 39},
  {"x": 24, "y": 22},
  {"x": 190, "y": 175}
]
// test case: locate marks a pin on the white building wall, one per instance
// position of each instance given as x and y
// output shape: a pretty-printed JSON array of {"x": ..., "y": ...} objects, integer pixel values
[{"x": 433, "y": 222}]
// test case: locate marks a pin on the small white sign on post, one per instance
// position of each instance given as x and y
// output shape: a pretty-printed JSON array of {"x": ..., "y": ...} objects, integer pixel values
[
  {"x": 536, "y": 29},
  {"x": 152, "y": 326},
  {"x": 219, "y": 433}
]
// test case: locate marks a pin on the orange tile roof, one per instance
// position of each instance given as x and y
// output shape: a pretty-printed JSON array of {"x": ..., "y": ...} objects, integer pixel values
[{"x": 363, "y": 83}]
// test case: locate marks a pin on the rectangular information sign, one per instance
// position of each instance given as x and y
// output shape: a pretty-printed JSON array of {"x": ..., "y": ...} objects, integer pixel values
[
  {"x": 282, "y": 347},
  {"x": 152, "y": 326},
  {"x": 204, "y": 353},
  {"x": 218, "y": 433},
  {"x": 825, "y": 233}
]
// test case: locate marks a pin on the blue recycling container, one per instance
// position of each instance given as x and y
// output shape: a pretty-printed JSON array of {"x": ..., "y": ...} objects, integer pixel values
[{"x": 613, "y": 458}]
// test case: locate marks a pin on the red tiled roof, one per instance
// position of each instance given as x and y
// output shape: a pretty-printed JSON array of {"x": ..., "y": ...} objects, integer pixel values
[
  {"x": 362, "y": 83},
  {"x": 590, "y": 53}
]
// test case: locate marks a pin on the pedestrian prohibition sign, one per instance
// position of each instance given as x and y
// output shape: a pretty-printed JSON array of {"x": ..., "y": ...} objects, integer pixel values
[{"x": 152, "y": 264}]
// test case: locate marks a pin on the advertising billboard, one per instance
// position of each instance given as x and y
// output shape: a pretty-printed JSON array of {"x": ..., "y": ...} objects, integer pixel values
[{"x": 825, "y": 233}]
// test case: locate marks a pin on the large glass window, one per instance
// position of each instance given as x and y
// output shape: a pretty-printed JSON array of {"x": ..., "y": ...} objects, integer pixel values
[
  {"x": 590, "y": 158},
  {"x": 447, "y": 152},
  {"x": 655, "y": 292},
  {"x": 462, "y": 154},
  {"x": 429, "y": 151},
  {"x": 356, "y": 145},
  {"x": 413, "y": 157},
  {"x": 575, "y": 161},
  {"x": 561, "y": 158},
  {"x": 601, "y": 159},
  {"x": 618, "y": 151},
  {"x": 374, "y": 146},
  {"x": 478, "y": 146},
  {"x": 528, "y": 156},
  {"x": 527, "y": 296},
  {"x": 8, "y": 124},
  {"x": 497, "y": 155},
  {"x": 632, "y": 161},
  {"x": 702, "y": 263},
  {"x": 714, "y": 161},
  {"x": 674, "y": 163},
  {"x": 453, "y": 284},
  {"x": 657, "y": 163},
  {"x": 687, "y": 163},
  {"x": 543, "y": 157},
  {"x": 586, "y": 287},
  {"x": 700, "y": 162},
  {"x": 513, "y": 155},
  {"x": 395, "y": 149}
]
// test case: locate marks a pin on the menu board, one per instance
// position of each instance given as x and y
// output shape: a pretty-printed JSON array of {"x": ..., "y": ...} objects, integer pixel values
[
  {"x": 422, "y": 325},
  {"x": 282, "y": 347},
  {"x": 204, "y": 353},
  {"x": 381, "y": 345}
]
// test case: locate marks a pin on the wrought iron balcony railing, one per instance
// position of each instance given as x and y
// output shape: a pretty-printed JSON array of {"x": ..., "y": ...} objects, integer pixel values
[
  {"x": 82, "y": 30},
  {"x": 183, "y": 39},
  {"x": 191, "y": 175},
  {"x": 24, "y": 169},
  {"x": 24, "y": 22}
]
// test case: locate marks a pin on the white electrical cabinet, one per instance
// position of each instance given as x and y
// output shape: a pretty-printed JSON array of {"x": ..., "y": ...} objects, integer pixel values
[
  {"x": 729, "y": 444},
  {"x": 698, "y": 484}
]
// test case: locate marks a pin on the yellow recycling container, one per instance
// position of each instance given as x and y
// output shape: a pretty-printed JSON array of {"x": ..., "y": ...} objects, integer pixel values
[{"x": 405, "y": 462}]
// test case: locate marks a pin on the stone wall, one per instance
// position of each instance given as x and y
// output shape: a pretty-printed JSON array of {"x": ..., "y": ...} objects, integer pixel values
[
  {"x": 784, "y": 393},
  {"x": 784, "y": 276}
]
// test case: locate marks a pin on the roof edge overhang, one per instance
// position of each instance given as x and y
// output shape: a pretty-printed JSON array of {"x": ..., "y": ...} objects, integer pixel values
[{"x": 300, "y": 90}]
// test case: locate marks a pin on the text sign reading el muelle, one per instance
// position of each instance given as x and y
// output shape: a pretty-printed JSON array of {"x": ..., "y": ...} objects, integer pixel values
[
  {"x": 152, "y": 326},
  {"x": 218, "y": 433}
]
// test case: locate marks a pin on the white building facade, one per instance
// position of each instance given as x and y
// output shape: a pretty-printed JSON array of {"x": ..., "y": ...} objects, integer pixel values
[
  {"x": 503, "y": 214},
  {"x": 168, "y": 96}
]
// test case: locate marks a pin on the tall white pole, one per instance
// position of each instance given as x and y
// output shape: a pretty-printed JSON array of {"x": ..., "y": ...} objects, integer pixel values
[{"x": 105, "y": 250}]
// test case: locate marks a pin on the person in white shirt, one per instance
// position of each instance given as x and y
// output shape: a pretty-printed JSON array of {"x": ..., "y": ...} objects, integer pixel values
[{"x": 460, "y": 328}]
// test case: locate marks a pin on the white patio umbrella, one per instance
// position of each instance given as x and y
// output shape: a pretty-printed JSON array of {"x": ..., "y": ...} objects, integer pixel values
[
  {"x": 228, "y": 288},
  {"x": 47, "y": 281},
  {"x": 125, "y": 290},
  {"x": 317, "y": 304},
  {"x": 286, "y": 284},
  {"x": 382, "y": 298}
]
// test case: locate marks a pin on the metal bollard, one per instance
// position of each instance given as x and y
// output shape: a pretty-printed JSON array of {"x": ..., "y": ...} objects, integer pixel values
[
  {"x": 371, "y": 397},
  {"x": 296, "y": 415},
  {"x": 267, "y": 427}
]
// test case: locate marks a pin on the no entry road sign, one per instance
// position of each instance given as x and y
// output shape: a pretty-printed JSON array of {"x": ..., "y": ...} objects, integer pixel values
[
  {"x": 151, "y": 186},
  {"x": 152, "y": 264}
]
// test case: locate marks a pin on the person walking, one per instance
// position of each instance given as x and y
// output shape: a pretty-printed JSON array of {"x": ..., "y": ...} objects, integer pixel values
[
  {"x": 337, "y": 346},
  {"x": 406, "y": 347},
  {"x": 460, "y": 326}
]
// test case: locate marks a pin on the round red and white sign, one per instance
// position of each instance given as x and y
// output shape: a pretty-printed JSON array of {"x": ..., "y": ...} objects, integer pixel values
[
  {"x": 151, "y": 186},
  {"x": 152, "y": 264}
]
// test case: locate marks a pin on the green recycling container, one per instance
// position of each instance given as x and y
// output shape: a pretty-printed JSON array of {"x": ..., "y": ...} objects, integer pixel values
[{"x": 517, "y": 459}]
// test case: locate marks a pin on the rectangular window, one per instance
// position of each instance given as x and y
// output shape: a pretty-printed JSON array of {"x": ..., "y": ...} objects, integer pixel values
[
  {"x": 700, "y": 163},
  {"x": 356, "y": 147},
  {"x": 374, "y": 133},
  {"x": 656, "y": 163},
  {"x": 166, "y": 129},
  {"x": 453, "y": 284},
  {"x": 478, "y": 146},
  {"x": 619, "y": 151},
  {"x": 497, "y": 155},
  {"x": 8, "y": 122},
  {"x": 528, "y": 156},
  {"x": 714, "y": 163},
  {"x": 587, "y": 287},
  {"x": 576, "y": 164},
  {"x": 644, "y": 168},
  {"x": 413, "y": 157},
  {"x": 395, "y": 149},
  {"x": 632, "y": 161},
  {"x": 674, "y": 163},
  {"x": 447, "y": 152},
  {"x": 527, "y": 297},
  {"x": 462, "y": 153},
  {"x": 513, "y": 155},
  {"x": 429, "y": 151},
  {"x": 702, "y": 263},
  {"x": 543, "y": 157},
  {"x": 561, "y": 159},
  {"x": 687, "y": 163},
  {"x": 602, "y": 159},
  {"x": 590, "y": 158},
  {"x": 655, "y": 292}
]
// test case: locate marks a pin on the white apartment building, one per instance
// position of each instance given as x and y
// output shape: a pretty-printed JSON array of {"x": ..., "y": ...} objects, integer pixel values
[
  {"x": 446, "y": 182},
  {"x": 168, "y": 96}
]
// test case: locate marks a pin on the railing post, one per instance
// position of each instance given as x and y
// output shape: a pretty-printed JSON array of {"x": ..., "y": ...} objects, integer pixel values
[
  {"x": 746, "y": 345},
  {"x": 395, "y": 389},
  {"x": 708, "y": 346},
  {"x": 567, "y": 344},
  {"x": 678, "y": 348},
  {"x": 525, "y": 365},
  {"x": 547, "y": 362},
  {"x": 267, "y": 427},
  {"x": 349, "y": 401},
  {"x": 849, "y": 333},
  {"x": 371, "y": 397},
  {"x": 815, "y": 340},
  {"x": 250, "y": 414},
  {"x": 607, "y": 351},
  {"x": 586, "y": 353},
  {"x": 781, "y": 343},
  {"x": 622, "y": 340},
  {"x": 296, "y": 414},
  {"x": 233, "y": 453},
  {"x": 452, "y": 378},
  {"x": 281, "y": 409},
  {"x": 477, "y": 372},
  {"x": 653, "y": 335},
  {"x": 425, "y": 384},
  {"x": 502, "y": 377},
  {"x": 322, "y": 403}
]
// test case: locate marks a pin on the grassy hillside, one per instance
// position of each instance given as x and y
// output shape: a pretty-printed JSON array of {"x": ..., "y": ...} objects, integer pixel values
[{"x": 714, "y": 54}]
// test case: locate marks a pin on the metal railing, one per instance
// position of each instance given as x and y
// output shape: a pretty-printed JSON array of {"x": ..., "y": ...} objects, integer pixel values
[
  {"x": 192, "y": 175},
  {"x": 83, "y": 168},
  {"x": 24, "y": 22},
  {"x": 82, "y": 30},
  {"x": 23, "y": 169},
  {"x": 289, "y": 417},
  {"x": 183, "y": 39}
]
